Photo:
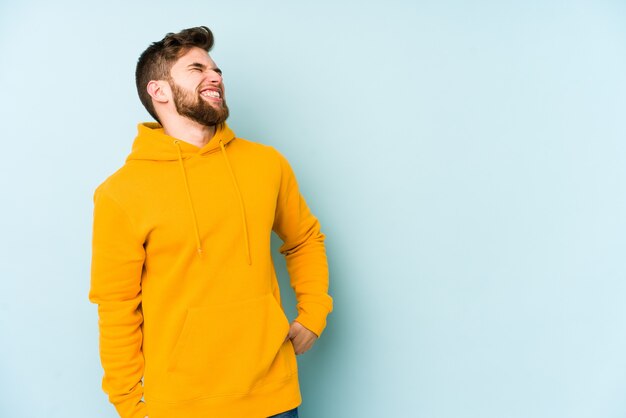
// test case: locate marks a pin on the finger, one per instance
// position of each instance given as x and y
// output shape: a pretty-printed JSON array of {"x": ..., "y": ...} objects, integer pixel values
[
  {"x": 302, "y": 349},
  {"x": 298, "y": 350},
  {"x": 293, "y": 332},
  {"x": 297, "y": 344},
  {"x": 307, "y": 345},
  {"x": 304, "y": 345}
]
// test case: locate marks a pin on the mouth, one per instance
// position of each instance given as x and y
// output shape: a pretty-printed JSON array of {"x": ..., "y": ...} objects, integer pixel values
[{"x": 211, "y": 94}]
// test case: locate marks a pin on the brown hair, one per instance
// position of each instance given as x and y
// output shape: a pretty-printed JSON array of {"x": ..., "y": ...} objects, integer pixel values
[{"x": 156, "y": 62}]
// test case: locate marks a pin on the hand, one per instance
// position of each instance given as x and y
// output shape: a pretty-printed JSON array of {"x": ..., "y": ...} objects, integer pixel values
[{"x": 301, "y": 337}]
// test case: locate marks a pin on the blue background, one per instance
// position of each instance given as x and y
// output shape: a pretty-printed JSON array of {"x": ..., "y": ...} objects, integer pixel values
[{"x": 466, "y": 160}]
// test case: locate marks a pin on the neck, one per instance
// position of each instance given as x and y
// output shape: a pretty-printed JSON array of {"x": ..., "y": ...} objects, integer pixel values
[{"x": 189, "y": 131}]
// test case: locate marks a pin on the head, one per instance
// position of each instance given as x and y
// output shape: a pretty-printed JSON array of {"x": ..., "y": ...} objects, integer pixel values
[{"x": 176, "y": 74}]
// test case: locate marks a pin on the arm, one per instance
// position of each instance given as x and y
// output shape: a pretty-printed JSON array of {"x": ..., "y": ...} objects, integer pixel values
[
  {"x": 304, "y": 251},
  {"x": 117, "y": 263}
]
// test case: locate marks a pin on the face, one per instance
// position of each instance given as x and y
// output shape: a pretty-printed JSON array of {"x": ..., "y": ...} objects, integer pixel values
[{"x": 198, "y": 88}]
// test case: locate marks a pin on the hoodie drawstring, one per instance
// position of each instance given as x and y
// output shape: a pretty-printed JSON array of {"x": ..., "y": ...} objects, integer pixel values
[
  {"x": 193, "y": 212},
  {"x": 239, "y": 198},
  {"x": 241, "y": 207}
]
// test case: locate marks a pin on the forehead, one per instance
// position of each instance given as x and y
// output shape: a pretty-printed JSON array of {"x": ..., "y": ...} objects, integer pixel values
[{"x": 194, "y": 56}]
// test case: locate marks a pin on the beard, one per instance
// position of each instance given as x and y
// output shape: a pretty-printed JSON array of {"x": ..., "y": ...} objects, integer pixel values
[{"x": 198, "y": 109}]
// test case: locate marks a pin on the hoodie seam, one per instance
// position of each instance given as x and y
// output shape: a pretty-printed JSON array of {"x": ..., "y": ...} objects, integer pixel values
[
  {"x": 131, "y": 221},
  {"x": 281, "y": 197}
]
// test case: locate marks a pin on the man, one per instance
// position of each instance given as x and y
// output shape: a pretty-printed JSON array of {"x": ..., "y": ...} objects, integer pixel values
[{"x": 191, "y": 323}]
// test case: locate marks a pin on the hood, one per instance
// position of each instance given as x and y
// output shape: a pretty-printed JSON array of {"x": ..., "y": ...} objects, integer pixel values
[{"x": 152, "y": 143}]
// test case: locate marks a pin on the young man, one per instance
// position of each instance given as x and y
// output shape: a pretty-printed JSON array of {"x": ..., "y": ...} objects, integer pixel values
[{"x": 191, "y": 323}]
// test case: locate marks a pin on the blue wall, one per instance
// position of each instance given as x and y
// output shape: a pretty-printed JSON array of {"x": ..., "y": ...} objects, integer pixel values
[{"x": 467, "y": 162}]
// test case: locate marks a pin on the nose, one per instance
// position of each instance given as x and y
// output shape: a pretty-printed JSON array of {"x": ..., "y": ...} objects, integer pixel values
[{"x": 214, "y": 77}]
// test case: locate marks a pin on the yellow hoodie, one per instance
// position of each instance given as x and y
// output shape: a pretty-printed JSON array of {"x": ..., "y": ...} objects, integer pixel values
[{"x": 191, "y": 323}]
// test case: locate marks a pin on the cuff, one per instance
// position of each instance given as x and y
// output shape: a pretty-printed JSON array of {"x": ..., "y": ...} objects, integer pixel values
[{"x": 313, "y": 317}]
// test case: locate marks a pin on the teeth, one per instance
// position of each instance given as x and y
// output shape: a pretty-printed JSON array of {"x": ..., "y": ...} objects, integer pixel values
[{"x": 211, "y": 93}]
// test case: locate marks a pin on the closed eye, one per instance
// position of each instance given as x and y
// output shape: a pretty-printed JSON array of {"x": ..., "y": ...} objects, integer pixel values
[{"x": 201, "y": 67}]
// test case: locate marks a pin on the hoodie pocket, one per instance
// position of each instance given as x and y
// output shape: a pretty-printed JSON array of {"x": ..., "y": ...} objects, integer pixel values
[{"x": 229, "y": 349}]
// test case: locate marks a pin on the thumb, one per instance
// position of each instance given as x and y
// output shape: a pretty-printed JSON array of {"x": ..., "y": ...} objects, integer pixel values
[{"x": 292, "y": 332}]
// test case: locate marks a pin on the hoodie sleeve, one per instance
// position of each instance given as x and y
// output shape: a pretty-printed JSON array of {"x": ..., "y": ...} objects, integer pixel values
[
  {"x": 117, "y": 263},
  {"x": 303, "y": 248}
]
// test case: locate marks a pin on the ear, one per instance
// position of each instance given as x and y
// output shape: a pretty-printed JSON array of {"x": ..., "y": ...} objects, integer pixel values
[{"x": 158, "y": 90}]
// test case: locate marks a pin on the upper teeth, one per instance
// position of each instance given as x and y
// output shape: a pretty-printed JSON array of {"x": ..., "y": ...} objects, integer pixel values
[{"x": 211, "y": 93}]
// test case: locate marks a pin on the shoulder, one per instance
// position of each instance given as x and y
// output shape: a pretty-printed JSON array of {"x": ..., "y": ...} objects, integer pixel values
[
  {"x": 119, "y": 184},
  {"x": 259, "y": 151},
  {"x": 253, "y": 146}
]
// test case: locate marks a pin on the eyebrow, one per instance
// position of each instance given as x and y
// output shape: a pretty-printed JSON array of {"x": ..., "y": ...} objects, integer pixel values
[{"x": 203, "y": 67}]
